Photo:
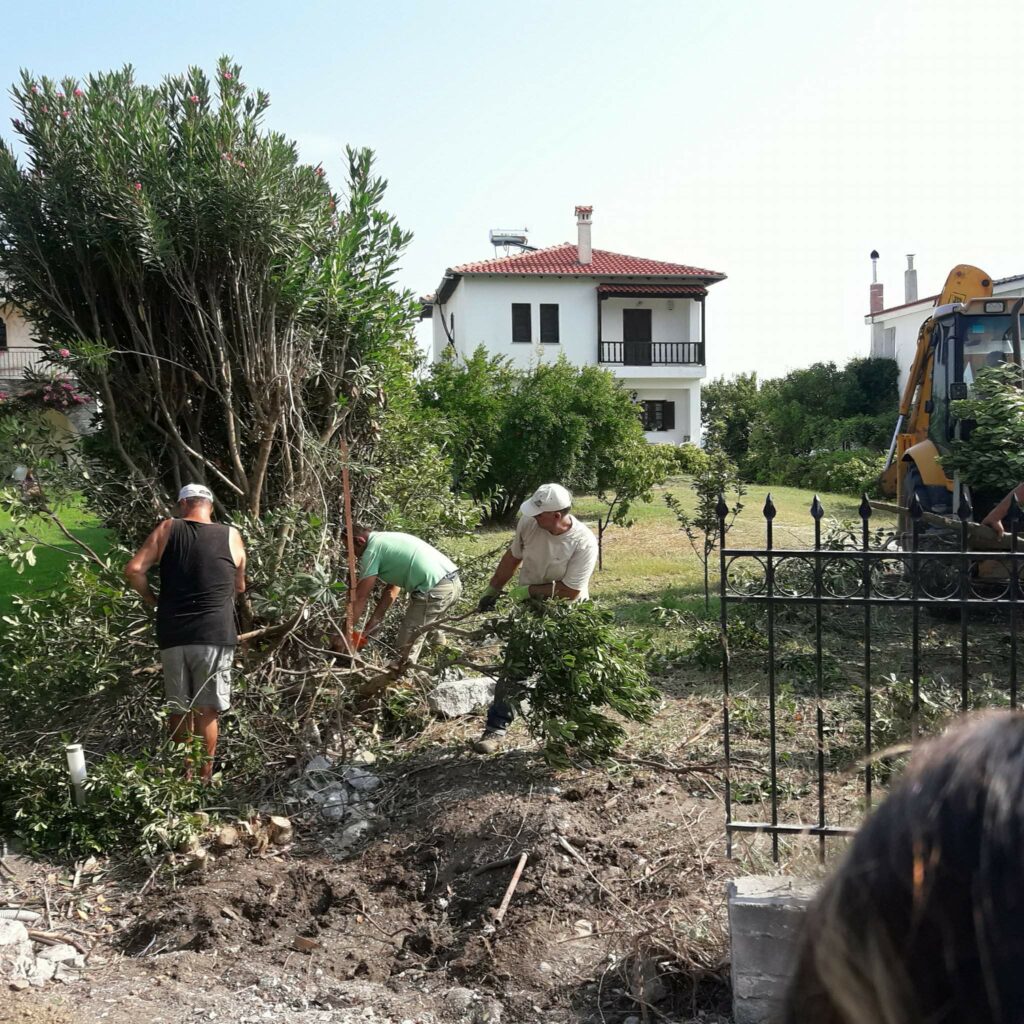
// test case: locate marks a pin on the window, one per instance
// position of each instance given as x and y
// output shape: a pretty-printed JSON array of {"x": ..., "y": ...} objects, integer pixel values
[
  {"x": 521, "y": 323},
  {"x": 549, "y": 323},
  {"x": 658, "y": 415}
]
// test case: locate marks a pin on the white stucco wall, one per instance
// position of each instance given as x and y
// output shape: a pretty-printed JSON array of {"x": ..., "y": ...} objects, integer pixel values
[
  {"x": 687, "y": 401},
  {"x": 19, "y": 330}
]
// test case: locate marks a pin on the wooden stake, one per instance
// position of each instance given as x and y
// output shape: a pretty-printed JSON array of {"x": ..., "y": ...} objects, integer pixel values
[
  {"x": 523, "y": 857},
  {"x": 347, "y": 491}
]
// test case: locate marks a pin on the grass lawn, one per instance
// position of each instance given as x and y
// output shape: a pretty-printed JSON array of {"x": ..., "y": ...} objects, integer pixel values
[
  {"x": 651, "y": 563},
  {"x": 53, "y": 559}
]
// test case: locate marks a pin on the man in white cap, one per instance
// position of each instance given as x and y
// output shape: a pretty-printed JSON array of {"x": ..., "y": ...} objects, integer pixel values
[
  {"x": 202, "y": 570},
  {"x": 556, "y": 556}
]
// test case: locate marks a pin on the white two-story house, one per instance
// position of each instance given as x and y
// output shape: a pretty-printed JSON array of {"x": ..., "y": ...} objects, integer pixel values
[{"x": 643, "y": 319}]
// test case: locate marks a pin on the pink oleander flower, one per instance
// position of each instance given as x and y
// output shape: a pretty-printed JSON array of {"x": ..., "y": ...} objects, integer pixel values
[
  {"x": 138, "y": 186},
  {"x": 65, "y": 113},
  {"x": 227, "y": 74},
  {"x": 239, "y": 163},
  {"x": 60, "y": 95},
  {"x": 194, "y": 98},
  {"x": 79, "y": 93},
  {"x": 320, "y": 172},
  {"x": 35, "y": 90},
  {"x": 64, "y": 352}
]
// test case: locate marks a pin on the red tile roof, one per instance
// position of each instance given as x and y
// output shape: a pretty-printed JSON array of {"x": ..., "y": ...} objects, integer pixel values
[
  {"x": 667, "y": 290},
  {"x": 561, "y": 259}
]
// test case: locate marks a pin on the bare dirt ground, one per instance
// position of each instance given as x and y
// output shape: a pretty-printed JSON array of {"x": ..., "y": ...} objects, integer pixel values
[{"x": 618, "y": 915}]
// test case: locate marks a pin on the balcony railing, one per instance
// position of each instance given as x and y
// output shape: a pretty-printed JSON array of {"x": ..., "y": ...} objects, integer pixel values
[
  {"x": 15, "y": 360},
  {"x": 652, "y": 353}
]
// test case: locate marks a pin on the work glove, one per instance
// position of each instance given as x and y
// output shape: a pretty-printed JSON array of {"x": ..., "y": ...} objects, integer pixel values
[
  {"x": 519, "y": 594},
  {"x": 359, "y": 640},
  {"x": 488, "y": 600}
]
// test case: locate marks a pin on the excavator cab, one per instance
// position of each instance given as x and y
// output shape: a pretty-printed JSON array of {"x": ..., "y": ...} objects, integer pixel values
[{"x": 968, "y": 330}]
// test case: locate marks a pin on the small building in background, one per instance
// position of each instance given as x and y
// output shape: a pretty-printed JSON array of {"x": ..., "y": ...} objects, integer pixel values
[
  {"x": 641, "y": 318},
  {"x": 894, "y": 328}
]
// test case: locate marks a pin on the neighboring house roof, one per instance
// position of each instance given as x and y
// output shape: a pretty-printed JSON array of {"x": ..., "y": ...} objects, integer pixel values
[
  {"x": 677, "y": 291},
  {"x": 932, "y": 298},
  {"x": 563, "y": 259}
]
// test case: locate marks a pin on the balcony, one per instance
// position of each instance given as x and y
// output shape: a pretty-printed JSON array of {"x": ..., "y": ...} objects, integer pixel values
[
  {"x": 16, "y": 360},
  {"x": 651, "y": 353}
]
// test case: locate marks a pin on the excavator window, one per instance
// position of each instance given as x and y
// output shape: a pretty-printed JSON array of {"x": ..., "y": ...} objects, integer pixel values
[{"x": 987, "y": 341}]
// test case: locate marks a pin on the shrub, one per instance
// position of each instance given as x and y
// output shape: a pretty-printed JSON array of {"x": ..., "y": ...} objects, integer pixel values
[
  {"x": 690, "y": 460},
  {"x": 563, "y": 663}
]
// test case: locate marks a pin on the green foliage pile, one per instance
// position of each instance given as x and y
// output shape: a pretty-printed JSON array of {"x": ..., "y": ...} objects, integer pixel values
[
  {"x": 513, "y": 430},
  {"x": 820, "y": 428},
  {"x": 990, "y": 454},
  {"x": 140, "y": 805},
  {"x": 564, "y": 663}
]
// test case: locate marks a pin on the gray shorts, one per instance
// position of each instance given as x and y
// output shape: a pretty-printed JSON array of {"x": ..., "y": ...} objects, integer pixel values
[{"x": 197, "y": 676}]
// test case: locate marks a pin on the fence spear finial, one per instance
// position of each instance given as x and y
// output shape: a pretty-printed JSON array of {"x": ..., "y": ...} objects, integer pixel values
[
  {"x": 916, "y": 508},
  {"x": 769, "y": 506},
  {"x": 865, "y": 507},
  {"x": 721, "y": 509},
  {"x": 817, "y": 509}
]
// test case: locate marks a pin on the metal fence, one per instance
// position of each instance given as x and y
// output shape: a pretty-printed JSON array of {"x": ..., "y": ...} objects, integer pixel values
[
  {"x": 926, "y": 571},
  {"x": 15, "y": 360}
]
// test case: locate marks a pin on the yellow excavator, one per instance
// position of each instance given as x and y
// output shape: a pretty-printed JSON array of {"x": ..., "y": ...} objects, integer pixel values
[{"x": 967, "y": 331}]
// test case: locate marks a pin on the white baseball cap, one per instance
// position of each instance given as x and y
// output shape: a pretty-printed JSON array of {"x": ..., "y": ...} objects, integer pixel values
[
  {"x": 195, "y": 491},
  {"x": 547, "y": 498}
]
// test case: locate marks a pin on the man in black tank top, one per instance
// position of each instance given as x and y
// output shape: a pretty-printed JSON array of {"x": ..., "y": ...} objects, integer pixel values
[{"x": 202, "y": 570}]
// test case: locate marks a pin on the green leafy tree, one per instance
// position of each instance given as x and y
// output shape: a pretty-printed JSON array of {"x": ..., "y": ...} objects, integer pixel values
[
  {"x": 727, "y": 411},
  {"x": 554, "y": 421},
  {"x": 991, "y": 457},
  {"x": 631, "y": 477},
  {"x": 718, "y": 479}
]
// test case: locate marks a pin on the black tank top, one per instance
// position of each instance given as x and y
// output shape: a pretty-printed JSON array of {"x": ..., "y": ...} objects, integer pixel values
[{"x": 197, "y": 586}]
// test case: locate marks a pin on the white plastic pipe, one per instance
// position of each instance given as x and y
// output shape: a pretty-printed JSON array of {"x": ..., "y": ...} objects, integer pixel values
[{"x": 76, "y": 766}]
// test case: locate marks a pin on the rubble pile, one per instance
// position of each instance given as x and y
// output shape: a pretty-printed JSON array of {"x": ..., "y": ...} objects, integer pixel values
[
  {"x": 26, "y": 961},
  {"x": 343, "y": 795}
]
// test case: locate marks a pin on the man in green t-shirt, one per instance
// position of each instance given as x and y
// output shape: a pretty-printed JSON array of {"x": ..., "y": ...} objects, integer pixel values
[{"x": 403, "y": 562}]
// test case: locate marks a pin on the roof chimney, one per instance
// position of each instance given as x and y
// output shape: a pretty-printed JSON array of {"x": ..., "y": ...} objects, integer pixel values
[
  {"x": 877, "y": 302},
  {"x": 910, "y": 280},
  {"x": 584, "y": 253}
]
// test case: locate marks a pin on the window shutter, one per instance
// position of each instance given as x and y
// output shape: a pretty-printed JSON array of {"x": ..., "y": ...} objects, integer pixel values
[
  {"x": 521, "y": 322},
  {"x": 3, "y": 333},
  {"x": 645, "y": 415},
  {"x": 549, "y": 323},
  {"x": 668, "y": 416}
]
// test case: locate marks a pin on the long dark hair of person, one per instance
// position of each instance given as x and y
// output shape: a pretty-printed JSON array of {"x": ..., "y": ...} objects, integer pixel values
[{"x": 923, "y": 921}]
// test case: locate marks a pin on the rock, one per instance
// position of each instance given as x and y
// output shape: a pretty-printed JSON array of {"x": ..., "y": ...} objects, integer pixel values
[
  {"x": 317, "y": 765},
  {"x": 459, "y": 1000},
  {"x": 355, "y": 832},
  {"x": 488, "y": 1013},
  {"x": 334, "y": 812},
  {"x": 361, "y": 780},
  {"x": 66, "y": 974},
  {"x": 41, "y": 972},
  {"x": 19, "y": 984},
  {"x": 632, "y": 1020},
  {"x": 459, "y": 697},
  {"x": 335, "y": 793},
  {"x": 364, "y": 757},
  {"x": 544, "y": 967},
  {"x": 227, "y": 837},
  {"x": 583, "y": 928},
  {"x": 59, "y": 953},
  {"x": 12, "y": 933}
]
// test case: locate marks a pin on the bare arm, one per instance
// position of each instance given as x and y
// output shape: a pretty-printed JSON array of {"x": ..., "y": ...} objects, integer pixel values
[
  {"x": 238, "y": 557},
  {"x": 364, "y": 588},
  {"x": 506, "y": 570},
  {"x": 386, "y": 600},
  {"x": 144, "y": 559},
  {"x": 995, "y": 518}
]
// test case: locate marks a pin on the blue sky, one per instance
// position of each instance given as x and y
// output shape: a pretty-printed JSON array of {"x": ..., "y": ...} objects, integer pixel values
[{"x": 778, "y": 142}]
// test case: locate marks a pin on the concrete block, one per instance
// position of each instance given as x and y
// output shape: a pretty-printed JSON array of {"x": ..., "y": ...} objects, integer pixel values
[
  {"x": 766, "y": 914},
  {"x": 459, "y": 697}
]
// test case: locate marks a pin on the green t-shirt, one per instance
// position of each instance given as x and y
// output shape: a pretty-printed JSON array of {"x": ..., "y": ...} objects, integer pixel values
[{"x": 404, "y": 561}]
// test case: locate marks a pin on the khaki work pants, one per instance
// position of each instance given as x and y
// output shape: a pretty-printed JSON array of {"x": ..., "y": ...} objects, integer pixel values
[{"x": 424, "y": 608}]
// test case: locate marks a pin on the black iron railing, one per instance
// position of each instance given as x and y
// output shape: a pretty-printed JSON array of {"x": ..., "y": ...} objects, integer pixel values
[
  {"x": 935, "y": 571},
  {"x": 652, "y": 353},
  {"x": 15, "y": 360}
]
